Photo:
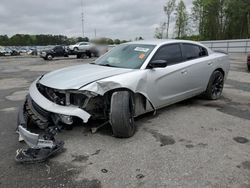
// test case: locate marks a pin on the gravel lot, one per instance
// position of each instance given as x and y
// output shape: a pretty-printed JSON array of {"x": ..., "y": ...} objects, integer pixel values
[{"x": 195, "y": 143}]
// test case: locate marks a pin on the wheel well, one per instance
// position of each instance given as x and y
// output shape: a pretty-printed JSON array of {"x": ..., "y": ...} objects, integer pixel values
[
  {"x": 142, "y": 104},
  {"x": 221, "y": 70}
]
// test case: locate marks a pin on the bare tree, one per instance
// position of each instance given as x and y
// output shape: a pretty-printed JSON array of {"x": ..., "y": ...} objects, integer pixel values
[
  {"x": 159, "y": 31},
  {"x": 169, "y": 8}
]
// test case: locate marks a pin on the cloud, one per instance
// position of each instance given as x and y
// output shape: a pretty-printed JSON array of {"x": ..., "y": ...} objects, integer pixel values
[{"x": 110, "y": 18}]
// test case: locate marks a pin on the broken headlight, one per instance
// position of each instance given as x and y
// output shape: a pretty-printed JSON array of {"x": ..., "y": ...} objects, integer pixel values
[
  {"x": 81, "y": 99},
  {"x": 51, "y": 94}
]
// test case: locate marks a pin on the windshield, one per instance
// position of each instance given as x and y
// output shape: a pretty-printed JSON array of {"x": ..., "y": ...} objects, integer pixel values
[{"x": 130, "y": 56}]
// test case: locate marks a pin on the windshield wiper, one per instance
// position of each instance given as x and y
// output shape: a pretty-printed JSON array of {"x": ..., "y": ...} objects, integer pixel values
[{"x": 107, "y": 65}]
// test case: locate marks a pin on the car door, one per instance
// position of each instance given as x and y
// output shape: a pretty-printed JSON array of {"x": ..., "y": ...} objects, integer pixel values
[
  {"x": 168, "y": 85},
  {"x": 199, "y": 67},
  {"x": 59, "y": 51},
  {"x": 83, "y": 46}
]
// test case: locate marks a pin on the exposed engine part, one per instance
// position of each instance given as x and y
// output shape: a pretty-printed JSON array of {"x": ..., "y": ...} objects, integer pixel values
[{"x": 52, "y": 94}]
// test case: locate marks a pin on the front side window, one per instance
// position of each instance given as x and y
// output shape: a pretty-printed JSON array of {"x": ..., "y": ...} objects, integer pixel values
[
  {"x": 130, "y": 56},
  {"x": 171, "y": 53},
  {"x": 58, "y": 48},
  {"x": 191, "y": 51}
]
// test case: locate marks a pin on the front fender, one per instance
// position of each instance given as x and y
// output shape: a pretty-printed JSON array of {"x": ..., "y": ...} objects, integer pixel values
[{"x": 133, "y": 81}]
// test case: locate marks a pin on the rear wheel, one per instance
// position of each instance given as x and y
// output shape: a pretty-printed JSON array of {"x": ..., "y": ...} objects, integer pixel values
[
  {"x": 215, "y": 86},
  {"x": 122, "y": 114},
  {"x": 78, "y": 56},
  {"x": 248, "y": 66}
]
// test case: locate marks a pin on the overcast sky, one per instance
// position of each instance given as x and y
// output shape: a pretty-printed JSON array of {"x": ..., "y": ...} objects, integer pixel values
[{"x": 124, "y": 19}]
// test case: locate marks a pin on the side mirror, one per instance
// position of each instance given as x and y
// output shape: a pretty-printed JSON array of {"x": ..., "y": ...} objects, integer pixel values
[{"x": 157, "y": 64}]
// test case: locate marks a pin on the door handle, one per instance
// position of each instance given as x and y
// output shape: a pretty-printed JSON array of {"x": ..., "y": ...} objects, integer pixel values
[
  {"x": 210, "y": 63},
  {"x": 184, "y": 71}
]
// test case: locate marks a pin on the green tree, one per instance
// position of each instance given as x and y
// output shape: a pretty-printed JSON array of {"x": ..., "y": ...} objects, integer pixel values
[
  {"x": 181, "y": 24},
  {"x": 197, "y": 15},
  {"x": 237, "y": 21},
  {"x": 4, "y": 39},
  {"x": 169, "y": 8},
  {"x": 117, "y": 41}
]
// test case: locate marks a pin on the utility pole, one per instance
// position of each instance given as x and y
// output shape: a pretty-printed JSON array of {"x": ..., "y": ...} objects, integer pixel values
[
  {"x": 95, "y": 33},
  {"x": 82, "y": 18}
]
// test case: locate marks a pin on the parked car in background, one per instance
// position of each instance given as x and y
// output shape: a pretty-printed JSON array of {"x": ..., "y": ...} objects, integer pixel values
[
  {"x": 14, "y": 51},
  {"x": 130, "y": 80},
  {"x": 248, "y": 62},
  {"x": 7, "y": 51},
  {"x": 23, "y": 50},
  {"x": 2, "y": 51},
  {"x": 88, "y": 48},
  {"x": 57, "y": 51},
  {"x": 32, "y": 51}
]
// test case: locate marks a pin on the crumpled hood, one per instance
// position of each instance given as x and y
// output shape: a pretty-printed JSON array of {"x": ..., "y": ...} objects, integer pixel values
[{"x": 75, "y": 77}]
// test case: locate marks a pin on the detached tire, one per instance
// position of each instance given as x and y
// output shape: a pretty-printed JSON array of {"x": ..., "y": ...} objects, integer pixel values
[
  {"x": 122, "y": 114},
  {"x": 215, "y": 86}
]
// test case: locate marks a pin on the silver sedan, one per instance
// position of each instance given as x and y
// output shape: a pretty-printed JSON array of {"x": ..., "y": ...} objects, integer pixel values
[{"x": 130, "y": 80}]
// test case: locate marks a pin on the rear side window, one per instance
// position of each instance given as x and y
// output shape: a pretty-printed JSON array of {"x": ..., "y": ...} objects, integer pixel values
[
  {"x": 58, "y": 48},
  {"x": 191, "y": 51},
  {"x": 171, "y": 53},
  {"x": 83, "y": 44}
]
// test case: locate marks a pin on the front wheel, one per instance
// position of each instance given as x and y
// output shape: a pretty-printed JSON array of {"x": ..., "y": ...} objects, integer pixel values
[
  {"x": 49, "y": 57},
  {"x": 215, "y": 86},
  {"x": 122, "y": 114}
]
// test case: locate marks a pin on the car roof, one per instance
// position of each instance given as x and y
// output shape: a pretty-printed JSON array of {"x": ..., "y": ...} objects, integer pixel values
[{"x": 162, "y": 42}]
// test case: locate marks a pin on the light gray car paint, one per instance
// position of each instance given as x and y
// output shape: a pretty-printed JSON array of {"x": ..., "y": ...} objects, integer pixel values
[
  {"x": 161, "y": 86},
  {"x": 75, "y": 77}
]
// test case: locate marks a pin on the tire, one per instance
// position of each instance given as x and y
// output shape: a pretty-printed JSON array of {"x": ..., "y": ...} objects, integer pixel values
[
  {"x": 215, "y": 86},
  {"x": 122, "y": 114},
  {"x": 49, "y": 57},
  {"x": 248, "y": 66},
  {"x": 78, "y": 56},
  {"x": 89, "y": 54}
]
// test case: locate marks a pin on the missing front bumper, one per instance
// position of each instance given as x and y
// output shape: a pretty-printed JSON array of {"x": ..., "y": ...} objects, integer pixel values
[{"x": 40, "y": 148}]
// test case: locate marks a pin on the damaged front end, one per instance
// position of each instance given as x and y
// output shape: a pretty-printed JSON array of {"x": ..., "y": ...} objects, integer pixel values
[
  {"x": 45, "y": 107},
  {"x": 51, "y": 110}
]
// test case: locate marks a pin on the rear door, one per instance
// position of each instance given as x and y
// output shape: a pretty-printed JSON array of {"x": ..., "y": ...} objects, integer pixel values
[{"x": 199, "y": 66}]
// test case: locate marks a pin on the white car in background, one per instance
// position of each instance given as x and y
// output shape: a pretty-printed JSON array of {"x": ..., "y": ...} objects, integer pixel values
[
  {"x": 85, "y": 47},
  {"x": 82, "y": 46}
]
